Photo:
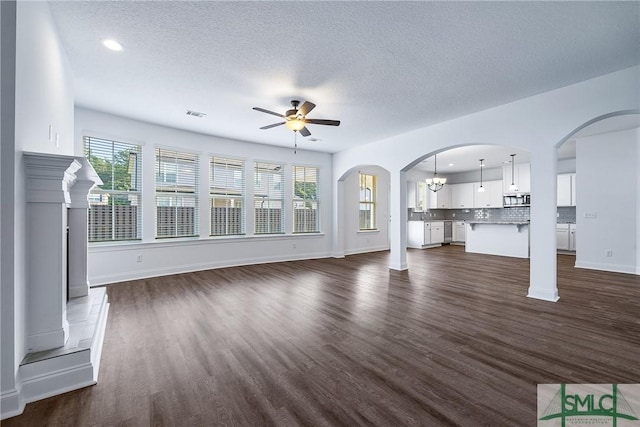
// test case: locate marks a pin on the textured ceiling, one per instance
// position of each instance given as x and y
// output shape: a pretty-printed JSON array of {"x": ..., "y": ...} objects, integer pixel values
[{"x": 382, "y": 68}]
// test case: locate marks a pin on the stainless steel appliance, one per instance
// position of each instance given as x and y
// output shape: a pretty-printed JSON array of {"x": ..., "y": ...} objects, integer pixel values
[{"x": 448, "y": 234}]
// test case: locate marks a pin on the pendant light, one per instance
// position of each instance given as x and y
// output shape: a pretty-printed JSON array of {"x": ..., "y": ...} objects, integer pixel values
[
  {"x": 436, "y": 183},
  {"x": 513, "y": 186},
  {"x": 481, "y": 189}
]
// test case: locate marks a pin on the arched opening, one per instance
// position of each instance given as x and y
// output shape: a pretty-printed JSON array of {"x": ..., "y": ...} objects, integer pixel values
[
  {"x": 362, "y": 220},
  {"x": 484, "y": 206},
  {"x": 597, "y": 194}
]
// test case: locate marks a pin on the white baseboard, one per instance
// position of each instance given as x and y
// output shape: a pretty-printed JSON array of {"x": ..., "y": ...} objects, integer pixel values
[
  {"x": 366, "y": 250},
  {"x": 188, "y": 268},
  {"x": 543, "y": 294},
  {"x": 10, "y": 404},
  {"x": 614, "y": 268}
]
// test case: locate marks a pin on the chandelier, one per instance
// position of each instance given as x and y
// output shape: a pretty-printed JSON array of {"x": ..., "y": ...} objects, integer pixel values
[{"x": 436, "y": 183}]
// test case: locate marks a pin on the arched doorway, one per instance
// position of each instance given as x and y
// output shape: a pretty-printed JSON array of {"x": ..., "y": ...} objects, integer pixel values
[
  {"x": 362, "y": 214},
  {"x": 603, "y": 225},
  {"x": 472, "y": 202}
]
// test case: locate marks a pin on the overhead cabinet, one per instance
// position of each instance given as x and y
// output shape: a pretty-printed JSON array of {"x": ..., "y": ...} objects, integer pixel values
[
  {"x": 566, "y": 189},
  {"x": 491, "y": 197},
  {"x": 440, "y": 199},
  {"x": 412, "y": 195},
  {"x": 521, "y": 177},
  {"x": 417, "y": 195},
  {"x": 462, "y": 196}
]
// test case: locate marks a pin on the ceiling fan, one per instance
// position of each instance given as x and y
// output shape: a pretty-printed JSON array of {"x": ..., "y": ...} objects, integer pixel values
[{"x": 296, "y": 120}]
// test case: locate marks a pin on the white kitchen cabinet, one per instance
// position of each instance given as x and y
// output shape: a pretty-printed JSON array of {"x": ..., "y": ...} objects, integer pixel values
[
  {"x": 412, "y": 196},
  {"x": 491, "y": 197},
  {"x": 437, "y": 232},
  {"x": 566, "y": 237},
  {"x": 459, "y": 232},
  {"x": 566, "y": 189},
  {"x": 562, "y": 237},
  {"x": 521, "y": 177},
  {"x": 422, "y": 202},
  {"x": 572, "y": 237},
  {"x": 440, "y": 199},
  {"x": 462, "y": 196},
  {"x": 421, "y": 234},
  {"x": 416, "y": 234}
]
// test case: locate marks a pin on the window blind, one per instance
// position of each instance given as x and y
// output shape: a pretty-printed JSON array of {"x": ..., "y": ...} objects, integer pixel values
[
  {"x": 115, "y": 206},
  {"x": 368, "y": 184},
  {"x": 177, "y": 175},
  {"x": 305, "y": 199},
  {"x": 226, "y": 196},
  {"x": 268, "y": 200}
]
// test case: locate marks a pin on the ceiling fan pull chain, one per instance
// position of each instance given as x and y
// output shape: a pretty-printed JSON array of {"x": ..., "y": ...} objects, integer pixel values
[{"x": 295, "y": 142}]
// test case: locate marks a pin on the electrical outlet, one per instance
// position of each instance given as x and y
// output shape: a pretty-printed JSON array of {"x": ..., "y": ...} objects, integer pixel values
[
  {"x": 453, "y": 215},
  {"x": 608, "y": 253},
  {"x": 138, "y": 258},
  {"x": 294, "y": 246}
]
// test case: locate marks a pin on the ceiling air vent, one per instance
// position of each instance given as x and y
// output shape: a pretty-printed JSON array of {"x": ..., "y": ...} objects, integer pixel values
[{"x": 195, "y": 114}]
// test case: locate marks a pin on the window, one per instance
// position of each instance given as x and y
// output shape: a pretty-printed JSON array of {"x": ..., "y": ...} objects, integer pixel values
[
  {"x": 367, "y": 202},
  {"x": 305, "y": 200},
  {"x": 176, "y": 194},
  {"x": 268, "y": 200},
  {"x": 115, "y": 206},
  {"x": 226, "y": 190}
]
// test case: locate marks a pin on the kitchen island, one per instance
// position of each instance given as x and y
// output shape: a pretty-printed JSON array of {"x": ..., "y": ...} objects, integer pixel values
[{"x": 505, "y": 238}]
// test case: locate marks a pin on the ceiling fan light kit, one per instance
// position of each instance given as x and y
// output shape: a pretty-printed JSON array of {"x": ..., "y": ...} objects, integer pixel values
[{"x": 296, "y": 119}]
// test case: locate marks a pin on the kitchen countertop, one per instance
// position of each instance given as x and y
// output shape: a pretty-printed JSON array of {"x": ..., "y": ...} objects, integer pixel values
[{"x": 489, "y": 221}]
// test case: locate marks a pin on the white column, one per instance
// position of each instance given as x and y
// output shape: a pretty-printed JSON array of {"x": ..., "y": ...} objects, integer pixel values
[
  {"x": 398, "y": 221},
  {"x": 48, "y": 180},
  {"x": 543, "y": 267},
  {"x": 86, "y": 179}
]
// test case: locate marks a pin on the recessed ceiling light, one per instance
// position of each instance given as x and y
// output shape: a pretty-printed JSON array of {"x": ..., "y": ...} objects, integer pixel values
[
  {"x": 450, "y": 164},
  {"x": 112, "y": 44}
]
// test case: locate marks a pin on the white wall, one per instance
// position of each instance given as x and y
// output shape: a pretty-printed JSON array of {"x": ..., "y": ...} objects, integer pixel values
[
  {"x": 169, "y": 256},
  {"x": 356, "y": 241},
  {"x": 43, "y": 98},
  {"x": 536, "y": 124},
  {"x": 607, "y": 166}
]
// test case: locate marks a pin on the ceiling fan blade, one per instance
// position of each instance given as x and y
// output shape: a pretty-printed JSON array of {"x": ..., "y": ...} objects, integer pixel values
[
  {"x": 271, "y": 126},
  {"x": 305, "y": 132},
  {"x": 268, "y": 112},
  {"x": 323, "y": 122},
  {"x": 306, "y": 108}
]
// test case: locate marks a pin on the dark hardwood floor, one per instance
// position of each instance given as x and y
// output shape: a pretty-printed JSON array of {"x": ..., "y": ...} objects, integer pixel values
[{"x": 346, "y": 342}]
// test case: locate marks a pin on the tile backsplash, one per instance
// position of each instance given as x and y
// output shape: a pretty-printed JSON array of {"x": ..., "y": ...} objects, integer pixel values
[{"x": 565, "y": 214}]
